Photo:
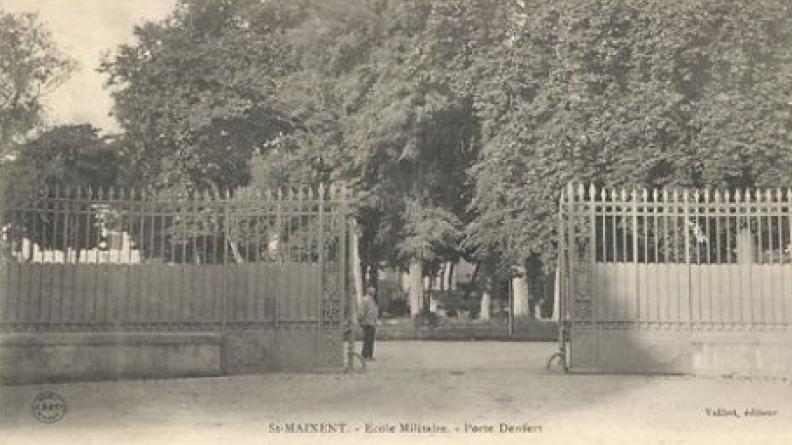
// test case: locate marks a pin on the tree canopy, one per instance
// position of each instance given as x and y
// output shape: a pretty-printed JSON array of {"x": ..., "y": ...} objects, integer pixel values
[
  {"x": 629, "y": 93},
  {"x": 459, "y": 122},
  {"x": 30, "y": 67},
  {"x": 60, "y": 161}
]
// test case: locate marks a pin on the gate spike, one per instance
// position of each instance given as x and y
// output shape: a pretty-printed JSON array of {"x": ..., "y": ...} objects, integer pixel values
[
  {"x": 696, "y": 195},
  {"x": 738, "y": 196},
  {"x": 769, "y": 195},
  {"x": 603, "y": 194},
  {"x": 644, "y": 195},
  {"x": 727, "y": 195},
  {"x": 707, "y": 194},
  {"x": 789, "y": 194},
  {"x": 655, "y": 194},
  {"x": 717, "y": 195},
  {"x": 581, "y": 191},
  {"x": 592, "y": 192},
  {"x": 321, "y": 191}
]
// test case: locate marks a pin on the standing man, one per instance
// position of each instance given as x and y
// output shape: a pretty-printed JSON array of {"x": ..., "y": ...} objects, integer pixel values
[{"x": 368, "y": 320}]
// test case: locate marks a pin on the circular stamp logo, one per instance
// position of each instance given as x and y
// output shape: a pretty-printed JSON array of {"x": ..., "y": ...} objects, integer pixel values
[{"x": 48, "y": 407}]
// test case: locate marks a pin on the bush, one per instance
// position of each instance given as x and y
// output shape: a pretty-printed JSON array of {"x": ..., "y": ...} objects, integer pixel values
[
  {"x": 456, "y": 302},
  {"x": 392, "y": 299},
  {"x": 428, "y": 318},
  {"x": 397, "y": 308}
]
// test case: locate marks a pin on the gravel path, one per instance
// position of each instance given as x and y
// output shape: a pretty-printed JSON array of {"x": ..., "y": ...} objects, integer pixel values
[{"x": 469, "y": 386}]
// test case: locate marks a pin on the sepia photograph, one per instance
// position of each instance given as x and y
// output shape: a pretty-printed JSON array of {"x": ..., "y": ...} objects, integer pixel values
[{"x": 395, "y": 221}]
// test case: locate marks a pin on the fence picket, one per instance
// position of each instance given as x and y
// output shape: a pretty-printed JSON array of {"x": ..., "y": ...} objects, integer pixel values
[
  {"x": 694, "y": 258},
  {"x": 172, "y": 261}
]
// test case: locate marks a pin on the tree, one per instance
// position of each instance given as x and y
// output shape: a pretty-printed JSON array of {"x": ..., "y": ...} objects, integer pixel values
[
  {"x": 368, "y": 92},
  {"x": 30, "y": 67},
  {"x": 199, "y": 93},
  {"x": 407, "y": 125},
  {"x": 68, "y": 161},
  {"x": 637, "y": 93}
]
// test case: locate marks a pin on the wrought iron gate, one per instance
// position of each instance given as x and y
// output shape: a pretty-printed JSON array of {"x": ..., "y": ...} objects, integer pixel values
[
  {"x": 267, "y": 270},
  {"x": 671, "y": 280}
]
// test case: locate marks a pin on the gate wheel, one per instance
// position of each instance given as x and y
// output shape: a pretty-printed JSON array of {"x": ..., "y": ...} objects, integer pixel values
[
  {"x": 351, "y": 356},
  {"x": 557, "y": 362}
]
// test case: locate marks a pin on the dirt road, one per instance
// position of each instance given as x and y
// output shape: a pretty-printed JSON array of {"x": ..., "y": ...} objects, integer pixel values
[{"x": 463, "y": 392}]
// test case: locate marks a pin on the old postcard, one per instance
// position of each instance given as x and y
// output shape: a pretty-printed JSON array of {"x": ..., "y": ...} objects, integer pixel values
[{"x": 395, "y": 221}]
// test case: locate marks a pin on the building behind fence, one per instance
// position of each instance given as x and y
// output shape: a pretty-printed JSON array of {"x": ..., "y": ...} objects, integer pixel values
[
  {"x": 677, "y": 280},
  {"x": 168, "y": 284}
]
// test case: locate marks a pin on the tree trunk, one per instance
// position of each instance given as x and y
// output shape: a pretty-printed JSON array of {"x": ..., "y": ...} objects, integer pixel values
[
  {"x": 416, "y": 288},
  {"x": 522, "y": 294},
  {"x": 448, "y": 279},
  {"x": 372, "y": 275},
  {"x": 357, "y": 272},
  {"x": 427, "y": 291},
  {"x": 473, "y": 278},
  {"x": 744, "y": 247},
  {"x": 486, "y": 299},
  {"x": 235, "y": 251},
  {"x": 557, "y": 295}
]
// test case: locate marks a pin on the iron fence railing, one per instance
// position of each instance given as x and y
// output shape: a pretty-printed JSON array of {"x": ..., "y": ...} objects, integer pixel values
[
  {"x": 76, "y": 259},
  {"x": 687, "y": 257}
]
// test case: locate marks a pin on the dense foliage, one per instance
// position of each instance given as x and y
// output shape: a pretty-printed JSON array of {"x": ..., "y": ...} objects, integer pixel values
[
  {"x": 62, "y": 161},
  {"x": 30, "y": 67},
  {"x": 629, "y": 92},
  {"x": 457, "y": 122}
]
